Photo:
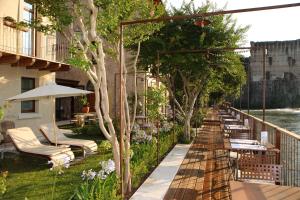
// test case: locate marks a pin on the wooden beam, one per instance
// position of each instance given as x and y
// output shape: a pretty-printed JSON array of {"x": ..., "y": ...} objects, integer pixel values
[
  {"x": 9, "y": 59},
  {"x": 52, "y": 66},
  {"x": 24, "y": 61},
  {"x": 39, "y": 64},
  {"x": 62, "y": 68}
]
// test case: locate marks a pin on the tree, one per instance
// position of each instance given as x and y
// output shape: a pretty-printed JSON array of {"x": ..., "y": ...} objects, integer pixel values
[
  {"x": 91, "y": 28},
  {"x": 195, "y": 72}
]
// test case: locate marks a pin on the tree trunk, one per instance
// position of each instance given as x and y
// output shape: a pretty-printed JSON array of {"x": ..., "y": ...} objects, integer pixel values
[
  {"x": 187, "y": 126},
  {"x": 127, "y": 173}
]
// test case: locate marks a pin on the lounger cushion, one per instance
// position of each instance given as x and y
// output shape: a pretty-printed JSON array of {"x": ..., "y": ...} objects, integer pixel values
[
  {"x": 47, "y": 129},
  {"x": 26, "y": 141}
]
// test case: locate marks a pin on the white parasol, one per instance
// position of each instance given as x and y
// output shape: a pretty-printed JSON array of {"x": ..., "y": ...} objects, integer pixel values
[{"x": 50, "y": 91}]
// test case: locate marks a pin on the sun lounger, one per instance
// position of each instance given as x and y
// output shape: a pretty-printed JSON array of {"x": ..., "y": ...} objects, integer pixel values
[
  {"x": 88, "y": 146},
  {"x": 26, "y": 142}
]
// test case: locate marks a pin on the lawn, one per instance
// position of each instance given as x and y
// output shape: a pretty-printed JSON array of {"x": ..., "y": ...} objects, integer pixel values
[{"x": 30, "y": 176}]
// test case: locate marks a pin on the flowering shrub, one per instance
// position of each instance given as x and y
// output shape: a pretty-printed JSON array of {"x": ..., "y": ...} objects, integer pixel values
[
  {"x": 166, "y": 126},
  {"x": 139, "y": 135},
  {"x": 98, "y": 185},
  {"x": 105, "y": 145},
  {"x": 58, "y": 165}
]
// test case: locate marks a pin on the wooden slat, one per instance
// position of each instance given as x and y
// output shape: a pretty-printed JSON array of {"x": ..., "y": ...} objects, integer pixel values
[{"x": 203, "y": 173}]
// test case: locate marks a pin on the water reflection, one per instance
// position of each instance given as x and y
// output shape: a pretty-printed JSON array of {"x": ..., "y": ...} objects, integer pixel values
[{"x": 284, "y": 118}]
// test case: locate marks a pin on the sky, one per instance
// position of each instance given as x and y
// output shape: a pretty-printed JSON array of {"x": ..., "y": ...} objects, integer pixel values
[{"x": 272, "y": 25}]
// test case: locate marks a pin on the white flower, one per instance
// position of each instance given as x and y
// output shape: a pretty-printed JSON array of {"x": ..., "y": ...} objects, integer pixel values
[
  {"x": 83, "y": 174},
  {"x": 108, "y": 166},
  {"x": 91, "y": 174},
  {"x": 102, "y": 175}
]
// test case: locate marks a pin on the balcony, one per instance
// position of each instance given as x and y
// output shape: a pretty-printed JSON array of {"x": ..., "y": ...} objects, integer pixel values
[{"x": 24, "y": 47}]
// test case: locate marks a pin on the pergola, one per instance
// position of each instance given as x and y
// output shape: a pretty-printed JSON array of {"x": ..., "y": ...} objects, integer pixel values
[{"x": 123, "y": 24}]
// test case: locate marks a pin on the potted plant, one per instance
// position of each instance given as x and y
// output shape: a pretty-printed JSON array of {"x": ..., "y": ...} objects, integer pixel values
[
  {"x": 9, "y": 21},
  {"x": 22, "y": 26},
  {"x": 85, "y": 104}
]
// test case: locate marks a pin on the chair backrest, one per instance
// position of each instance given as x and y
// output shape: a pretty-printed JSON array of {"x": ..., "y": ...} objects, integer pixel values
[
  {"x": 268, "y": 172},
  {"x": 23, "y": 137},
  {"x": 250, "y": 156},
  {"x": 48, "y": 131},
  {"x": 258, "y": 167},
  {"x": 238, "y": 135},
  {"x": 5, "y": 125}
]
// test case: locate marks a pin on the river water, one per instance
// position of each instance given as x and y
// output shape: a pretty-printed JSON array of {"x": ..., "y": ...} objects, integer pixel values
[{"x": 285, "y": 118}]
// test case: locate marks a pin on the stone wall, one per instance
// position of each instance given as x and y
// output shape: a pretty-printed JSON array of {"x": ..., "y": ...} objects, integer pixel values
[
  {"x": 280, "y": 93},
  {"x": 282, "y": 63}
]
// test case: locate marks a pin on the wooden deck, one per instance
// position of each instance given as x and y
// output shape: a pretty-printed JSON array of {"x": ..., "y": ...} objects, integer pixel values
[{"x": 204, "y": 172}]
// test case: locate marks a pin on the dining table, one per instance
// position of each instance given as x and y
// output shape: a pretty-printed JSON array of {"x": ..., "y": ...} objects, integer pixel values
[
  {"x": 227, "y": 116},
  {"x": 255, "y": 191},
  {"x": 232, "y": 121}
]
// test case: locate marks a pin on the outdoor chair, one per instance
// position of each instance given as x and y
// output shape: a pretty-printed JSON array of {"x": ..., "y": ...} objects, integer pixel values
[
  {"x": 88, "y": 146},
  {"x": 26, "y": 141},
  {"x": 239, "y": 135},
  {"x": 5, "y": 125},
  {"x": 263, "y": 173},
  {"x": 259, "y": 167}
]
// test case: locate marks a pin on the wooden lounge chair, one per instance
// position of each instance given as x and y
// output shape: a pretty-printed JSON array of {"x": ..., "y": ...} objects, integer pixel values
[
  {"x": 88, "y": 146},
  {"x": 26, "y": 142}
]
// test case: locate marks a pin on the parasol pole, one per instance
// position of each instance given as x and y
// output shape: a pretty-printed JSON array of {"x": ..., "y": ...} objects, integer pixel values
[{"x": 53, "y": 118}]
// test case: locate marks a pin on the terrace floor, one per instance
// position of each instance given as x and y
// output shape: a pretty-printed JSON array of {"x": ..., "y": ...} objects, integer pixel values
[{"x": 204, "y": 172}]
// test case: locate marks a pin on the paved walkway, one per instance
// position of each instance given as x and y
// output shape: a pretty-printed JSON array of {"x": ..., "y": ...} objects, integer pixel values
[{"x": 157, "y": 184}]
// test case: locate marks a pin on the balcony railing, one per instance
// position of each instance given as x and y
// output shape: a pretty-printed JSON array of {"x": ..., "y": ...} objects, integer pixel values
[
  {"x": 286, "y": 141},
  {"x": 31, "y": 43}
]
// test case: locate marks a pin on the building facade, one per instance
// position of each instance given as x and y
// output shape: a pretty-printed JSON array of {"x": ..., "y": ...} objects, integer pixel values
[
  {"x": 282, "y": 65},
  {"x": 28, "y": 59}
]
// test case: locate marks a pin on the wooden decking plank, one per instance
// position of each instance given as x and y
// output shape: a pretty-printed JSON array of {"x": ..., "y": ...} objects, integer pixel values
[{"x": 203, "y": 172}]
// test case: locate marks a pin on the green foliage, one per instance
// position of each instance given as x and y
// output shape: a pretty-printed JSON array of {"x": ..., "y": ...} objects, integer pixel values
[
  {"x": 210, "y": 70},
  {"x": 110, "y": 14},
  {"x": 84, "y": 101},
  {"x": 3, "y": 182},
  {"x": 144, "y": 157},
  {"x": 105, "y": 146},
  {"x": 1, "y": 113},
  {"x": 156, "y": 98},
  {"x": 98, "y": 189}
]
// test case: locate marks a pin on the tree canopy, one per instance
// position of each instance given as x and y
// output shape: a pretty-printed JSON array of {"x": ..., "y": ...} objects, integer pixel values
[{"x": 212, "y": 69}]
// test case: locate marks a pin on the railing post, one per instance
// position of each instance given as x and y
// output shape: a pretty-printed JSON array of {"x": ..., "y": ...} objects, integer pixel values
[
  {"x": 277, "y": 145},
  {"x": 254, "y": 129}
]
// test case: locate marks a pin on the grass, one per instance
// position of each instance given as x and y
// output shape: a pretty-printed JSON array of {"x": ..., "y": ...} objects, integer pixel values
[{"x": 30, "y": 177}]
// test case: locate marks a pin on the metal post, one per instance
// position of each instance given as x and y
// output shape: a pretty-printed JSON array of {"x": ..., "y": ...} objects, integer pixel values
[
  {"x": 121, "y": 110},
  {"x": 157, "y": 122},
  {"x": 248, "y": 70},
  {"x": 264, "y": 83},
  {"x": 240, "y": 97},
  {"x": 196, "y": 118},
  {"x": 174, "y": 112}
]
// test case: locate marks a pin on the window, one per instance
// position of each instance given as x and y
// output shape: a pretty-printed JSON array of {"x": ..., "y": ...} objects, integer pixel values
[
  {"x": 290, "y": 61},
  {"x": 27, "y": 84},
  {"x": 270, "y": 60},
  {"x": 268, "y": 75},
  {"x": 27, "y": 36}
]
